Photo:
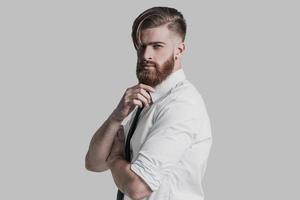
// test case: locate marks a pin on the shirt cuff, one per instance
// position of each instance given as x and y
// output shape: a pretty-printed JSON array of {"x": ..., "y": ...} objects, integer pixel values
[{"x": 144, "y": 168}]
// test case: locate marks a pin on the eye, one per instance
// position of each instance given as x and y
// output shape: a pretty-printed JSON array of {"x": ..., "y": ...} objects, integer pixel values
[{"x": 157, "y": 46}]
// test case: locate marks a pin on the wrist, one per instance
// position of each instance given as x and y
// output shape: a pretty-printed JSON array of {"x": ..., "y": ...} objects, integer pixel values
[{"x": 115, "y": 117}]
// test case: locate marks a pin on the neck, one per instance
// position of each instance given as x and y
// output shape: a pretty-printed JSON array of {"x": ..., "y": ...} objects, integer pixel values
[{"x": 177, "y": 65}]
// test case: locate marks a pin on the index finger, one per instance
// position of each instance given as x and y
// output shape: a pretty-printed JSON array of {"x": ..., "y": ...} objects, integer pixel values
[{"x": 146, "y": 87}]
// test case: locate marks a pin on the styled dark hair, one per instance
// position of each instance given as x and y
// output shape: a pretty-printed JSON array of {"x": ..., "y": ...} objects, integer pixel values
[{"x": 158, "y": 16}]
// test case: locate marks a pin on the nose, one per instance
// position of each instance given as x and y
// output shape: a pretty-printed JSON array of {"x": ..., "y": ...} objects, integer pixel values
[{"x": 146, "y": 54}]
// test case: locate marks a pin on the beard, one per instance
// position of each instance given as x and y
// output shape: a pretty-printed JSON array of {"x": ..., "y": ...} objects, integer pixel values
[{"x": 156, "y": 74}]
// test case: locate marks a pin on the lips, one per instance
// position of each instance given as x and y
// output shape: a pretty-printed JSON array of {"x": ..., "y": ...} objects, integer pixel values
[{"x": 148, "y": 65}]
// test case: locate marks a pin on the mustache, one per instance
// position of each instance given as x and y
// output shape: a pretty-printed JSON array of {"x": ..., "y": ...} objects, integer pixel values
[{"x": 148, "y": 63}]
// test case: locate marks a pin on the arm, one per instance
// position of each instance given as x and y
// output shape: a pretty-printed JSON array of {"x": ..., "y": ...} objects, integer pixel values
[
  {"x": 101, "y": 144},
  {"x": 126, "y": 180}
]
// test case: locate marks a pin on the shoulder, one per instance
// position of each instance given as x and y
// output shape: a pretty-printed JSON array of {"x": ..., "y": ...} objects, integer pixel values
[
  {"x": 184, "y": 96},
  {"x": 184, "y": 102}
]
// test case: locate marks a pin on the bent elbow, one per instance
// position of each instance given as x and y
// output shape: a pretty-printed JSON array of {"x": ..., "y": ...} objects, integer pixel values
[
  {"x": 139, "y": 195},
  {"x": 93, "y": 168},
  {"x": 100, "y": 167},
  {"x": 138, "y": 190}
]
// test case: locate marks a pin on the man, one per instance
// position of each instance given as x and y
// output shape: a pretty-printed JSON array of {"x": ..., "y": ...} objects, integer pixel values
[{"x": 172, "y": 139}]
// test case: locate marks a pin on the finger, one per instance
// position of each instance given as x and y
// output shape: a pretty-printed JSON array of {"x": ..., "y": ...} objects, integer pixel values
[
  {"x": 138, "y": 99},
  {"x": 142, "y": 99},
  {"x": 144, "y": 93},
  {"x": 137, "y": 102},
  {"x": 146, "y": 87}
]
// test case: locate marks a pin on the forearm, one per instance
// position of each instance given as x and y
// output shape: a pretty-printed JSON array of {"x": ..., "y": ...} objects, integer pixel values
[
  {"x": 126, "y": 180},
  {"x": 101, "y": 144},
  {"x": 121, "y": 173}
]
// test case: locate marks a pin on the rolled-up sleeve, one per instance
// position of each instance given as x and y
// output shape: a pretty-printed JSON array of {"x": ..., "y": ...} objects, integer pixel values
[{"x": 170, "y": 136}]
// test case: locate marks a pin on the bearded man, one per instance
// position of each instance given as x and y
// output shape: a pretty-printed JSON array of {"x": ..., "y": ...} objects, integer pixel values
[{"x": 166, "y": 157}]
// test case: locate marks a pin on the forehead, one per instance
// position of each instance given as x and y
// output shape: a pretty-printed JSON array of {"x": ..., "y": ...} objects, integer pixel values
[{"x": 157, "y": 34}]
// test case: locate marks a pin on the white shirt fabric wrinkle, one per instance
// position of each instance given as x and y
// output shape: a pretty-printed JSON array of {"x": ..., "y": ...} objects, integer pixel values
[{"x": 172, "y": 141}]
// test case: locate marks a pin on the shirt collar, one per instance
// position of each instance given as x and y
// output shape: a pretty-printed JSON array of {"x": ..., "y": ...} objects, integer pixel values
[{"x": 166, "y": 85}]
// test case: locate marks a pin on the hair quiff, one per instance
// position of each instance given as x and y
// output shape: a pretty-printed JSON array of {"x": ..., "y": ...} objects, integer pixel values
[{"x": 158, "y": 16}]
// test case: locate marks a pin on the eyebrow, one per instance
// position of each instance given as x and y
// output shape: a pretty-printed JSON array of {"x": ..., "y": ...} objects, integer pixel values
[{"x": 151, "y": 43}]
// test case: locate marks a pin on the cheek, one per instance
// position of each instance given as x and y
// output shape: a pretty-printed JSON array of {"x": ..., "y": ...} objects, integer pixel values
[
  {"x": 162, "y": 56},
  {"x": 166, "y": 57}
]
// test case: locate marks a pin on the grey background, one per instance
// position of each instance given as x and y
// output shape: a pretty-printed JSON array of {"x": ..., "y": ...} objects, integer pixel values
[{"x": 65, "y": 65}]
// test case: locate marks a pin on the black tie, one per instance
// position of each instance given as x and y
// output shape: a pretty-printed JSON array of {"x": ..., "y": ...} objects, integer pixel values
[{"x": 120, "y": 195}]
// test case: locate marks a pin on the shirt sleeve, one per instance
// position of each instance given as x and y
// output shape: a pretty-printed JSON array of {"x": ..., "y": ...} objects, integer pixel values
[{"x": 170, "y": 136}]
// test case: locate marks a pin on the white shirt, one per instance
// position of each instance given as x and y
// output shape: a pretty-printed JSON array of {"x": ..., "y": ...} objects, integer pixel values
[{"x": 172, "y": 141}]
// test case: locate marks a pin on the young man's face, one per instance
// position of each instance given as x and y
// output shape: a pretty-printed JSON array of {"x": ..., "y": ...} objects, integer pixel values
[{"x": 156, "y": 59}]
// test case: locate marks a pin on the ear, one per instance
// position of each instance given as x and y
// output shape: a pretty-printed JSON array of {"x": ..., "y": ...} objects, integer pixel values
[{"x": 180, "y": 49}]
